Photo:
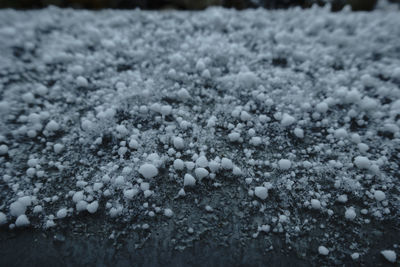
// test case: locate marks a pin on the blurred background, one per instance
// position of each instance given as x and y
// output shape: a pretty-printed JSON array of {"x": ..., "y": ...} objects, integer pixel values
[{"x": 187, "y": 4}]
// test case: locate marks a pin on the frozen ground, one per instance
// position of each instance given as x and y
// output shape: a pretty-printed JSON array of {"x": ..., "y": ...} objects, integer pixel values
[{"x": 272, "y": 135}]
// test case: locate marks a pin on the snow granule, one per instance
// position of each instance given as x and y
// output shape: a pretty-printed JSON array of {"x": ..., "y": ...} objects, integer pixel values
[
  {"x": 189, "y": 180},
  {"x": 3, "y": 218},
  {"x": 22, "y": 221},
  {"x": 168, "y": 212},
  {"x": 362, "y": 162},
  {"x": 323, "y": 250},
  {"x": 389, "y": 255},
  {"x": 261, "y": 192},
  {"x": 284, "y": 164},
  {"x": 226, "y": 164},
  {"x": 148, "y": 170}
]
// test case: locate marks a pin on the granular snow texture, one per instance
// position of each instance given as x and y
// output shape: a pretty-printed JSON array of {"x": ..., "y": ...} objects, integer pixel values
[{"x": 275, "y": 128}]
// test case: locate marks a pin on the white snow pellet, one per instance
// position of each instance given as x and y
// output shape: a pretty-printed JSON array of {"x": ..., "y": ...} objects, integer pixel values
[
  {"x": 315, "y": 204},
  {"x": 287, "y": 120},
  {"x": 31, "y": 172},
  {"x": 226, "y": 164},
  {"x": 78, "y": 196},
  {"x": 81, "y": 205},
  {"x": 299, "y": 132},
  {"x": 342, "y": 198},
  {"x": 25, "y": 200},
  {"x": 355, "y": 256},
  {"x": 340, "y": 133},
  {"x": 168, "y": 212},
  {"x": 17, "y": 208},
  {"x": 122, "y": 131},
  {"x": 148, "y": 170},
  {"x": 234, "y": 137},
  {"x": 3, "y": 150},
  {"x": 37, "y": 209},
  {"x": 236, "y": 170},
  {"x": 3, "y": 218},
  {"x": 379, "y": 195},
  {"x": 350, "y": 214},
  {"x": 284, "y": 164},
  {"x": 4, "y": 107},
  {"x": 179, "y": 164},
  {"x": 81, "y": 81},
  {"x": 201, "y": 173},
  {"x": 58, "y": 148},
  {"x": 322, "y": 107},
  {"x": 92, "y": 207},
  {"x": 130, "y": 193},
  {"x": 323, "y": 250},
  {"x": 362, "y": 162},
  {"x": 62, "y": 213},
  {"x": 22, "y": 221},
  {"x": 389, "y": 255},
  {"x": 182, "y": 192},
  {"x": 52, "y": 126},
  {"x": 255, "y": 141},
  {"x": 166, "y": 110},
  {"x": 202, "y": 162},
  {"x": 133, "y": 144},
  {"x": 261, "y": 192},
  {"x": 183, "y": 94},
  {"x": 214, "y": 166},
  {"x": 189, "y": 180},
  {"x": 178, "y": 143}
]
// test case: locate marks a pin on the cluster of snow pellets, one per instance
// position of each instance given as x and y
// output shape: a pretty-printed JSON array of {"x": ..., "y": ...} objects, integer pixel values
[{"x": 249, "y": 125}]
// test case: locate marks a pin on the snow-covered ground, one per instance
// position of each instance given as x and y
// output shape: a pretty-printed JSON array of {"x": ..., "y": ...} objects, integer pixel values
[{"x": 243, "y": 125}]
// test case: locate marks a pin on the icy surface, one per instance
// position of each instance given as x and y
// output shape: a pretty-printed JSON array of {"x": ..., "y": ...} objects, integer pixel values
[{"x": 245, "y": 125}]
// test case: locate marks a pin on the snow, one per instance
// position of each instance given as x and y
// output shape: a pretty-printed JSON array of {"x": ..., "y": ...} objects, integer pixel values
[
  {"x": 168, "y": 212},
  {"x": 355, "y": 256},
  {"x": 3, "y": 218},
  {"x": 52, "y": 126},
  {"x": 284, "y": 164},
  {"x": 17, "y": 208},
  {"x": 92, "y": 207},
  {"x": 202, "y": 162},
  {"x": 322, "y": 107},
  {"x": 226, "y": 164},
  {"x": 315, "y": 204},
  {"x": 234, "y": 137},
  {"x": 148, "y": 170},
  {"x": 340, "y": 133},
  {"x": 179, "y": 164},
  {"x": 323, "y": 250},
  {"x": 287, "y": 119},
  {"x": 3, "y": 149},
  {"x": 389, "y": 255},
  {"x": 22, "y": 221},
  {"x": 189, "y": 180},
  {"x": 299, "y": 132},
  {"x": 61, "y": 213},
  {"x": 201, "y": 173},
  {"x": 350, "y": 214},
  {"x": 130, "y": 193},
  {"x": 261, "y": 192},
  {"x": 379, "y": 195},
  {"x": 58, "y": 148},
  {"x": 178, "y": 143},
  {"x": 81, "y": 81},
  {"x": 362, "y": 162}
]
